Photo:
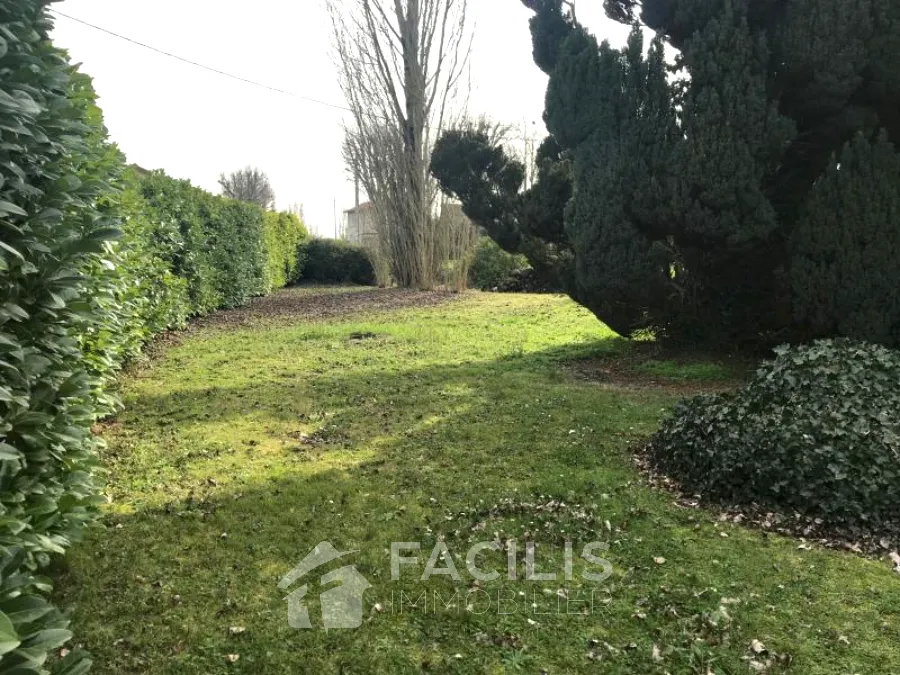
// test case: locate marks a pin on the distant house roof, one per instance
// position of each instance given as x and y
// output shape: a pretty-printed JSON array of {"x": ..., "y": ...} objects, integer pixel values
[{"x": 365, "y": 206}]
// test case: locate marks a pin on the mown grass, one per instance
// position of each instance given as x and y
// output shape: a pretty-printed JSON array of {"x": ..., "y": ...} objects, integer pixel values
[
  {"x": 240, "y": 450},
  {"x": 699, "y": 371}
]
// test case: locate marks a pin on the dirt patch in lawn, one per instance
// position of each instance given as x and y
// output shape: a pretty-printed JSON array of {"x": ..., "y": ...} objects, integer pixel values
[
  {"x": 650, "y": 367},
  {"x": 304, "y": 303},
  {"x": 314, "y": 304}
]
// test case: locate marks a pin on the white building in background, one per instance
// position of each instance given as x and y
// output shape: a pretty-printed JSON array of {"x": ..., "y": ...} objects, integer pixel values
[{"x": 359, "y": 225}]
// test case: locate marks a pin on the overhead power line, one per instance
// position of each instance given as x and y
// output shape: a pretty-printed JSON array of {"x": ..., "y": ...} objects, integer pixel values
[
  {"x": 223, "y": 73},
  {"x": 200, "y": 65}
]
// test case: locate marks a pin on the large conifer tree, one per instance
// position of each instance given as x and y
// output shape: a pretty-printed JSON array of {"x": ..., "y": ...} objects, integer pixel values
[
  {"x": 690, "y": 175},
  {"x": 846, "y": 272}
]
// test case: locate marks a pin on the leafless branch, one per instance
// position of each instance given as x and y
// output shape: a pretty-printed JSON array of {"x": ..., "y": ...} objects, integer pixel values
[{"x": 401, "y": 63}]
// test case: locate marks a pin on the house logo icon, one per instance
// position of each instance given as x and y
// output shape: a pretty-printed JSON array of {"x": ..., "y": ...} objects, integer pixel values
[{"x": 342, "y": 606}]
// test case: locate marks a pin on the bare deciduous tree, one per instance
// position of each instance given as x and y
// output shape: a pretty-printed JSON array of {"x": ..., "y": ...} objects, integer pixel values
[
  {"x": 249, "y": 185},
  {"x": 401, "y": 63},
  {"x": 297, "y": 209}
]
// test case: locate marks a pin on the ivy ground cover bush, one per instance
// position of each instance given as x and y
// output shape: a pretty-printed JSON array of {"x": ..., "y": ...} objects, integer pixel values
[
  {"x": 816, "y": 431},
  {"x": 248, "y": 447}
]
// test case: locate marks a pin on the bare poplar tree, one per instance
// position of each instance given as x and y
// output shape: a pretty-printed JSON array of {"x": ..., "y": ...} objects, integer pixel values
[
  {"x": 297, "y": 209},
  {"x": 249, "y": 185},
  {"x": 401, "y": 63}
]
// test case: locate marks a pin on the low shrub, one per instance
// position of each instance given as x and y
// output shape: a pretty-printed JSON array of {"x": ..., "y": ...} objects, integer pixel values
[
  {"x": 528, "y": 281},
  {"x": 815, "y": 431},
  {"x": 493, "y": 266},
  {"x": 332, "y": 261}
]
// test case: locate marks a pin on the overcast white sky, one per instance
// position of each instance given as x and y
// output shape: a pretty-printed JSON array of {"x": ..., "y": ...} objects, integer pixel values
[{"x": 194, "y": 124}]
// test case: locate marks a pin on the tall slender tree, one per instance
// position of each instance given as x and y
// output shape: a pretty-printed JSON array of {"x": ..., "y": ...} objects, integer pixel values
[{"x": 400, "y": 64}]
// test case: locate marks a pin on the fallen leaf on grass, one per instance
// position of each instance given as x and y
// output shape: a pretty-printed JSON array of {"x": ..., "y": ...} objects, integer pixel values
[
  {"x": 895, "y": 558},
  {"x": 758, "y": 647}
]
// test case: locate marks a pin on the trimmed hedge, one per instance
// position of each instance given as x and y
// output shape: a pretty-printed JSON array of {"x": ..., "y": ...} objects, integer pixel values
[
  {"x": 55, "y": 341},
  {"x": 815, "y": 431},
  {"x": 282, "y": 235},
  {"x": 75, "y": 304},
  {"x": 225, "y": 251},
  {"x": 330, "y": 261}
]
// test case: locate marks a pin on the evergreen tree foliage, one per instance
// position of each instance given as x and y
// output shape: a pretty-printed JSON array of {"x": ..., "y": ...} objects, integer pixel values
[
  {"x": 831, "y": 69},
  {"x": 846, "y": 274},
  {"x": 488, "y": 181},
  {"x": 622, "y": 265},
  {"x": 725, "y": 228},
  {"x": 679, "y": 183}
]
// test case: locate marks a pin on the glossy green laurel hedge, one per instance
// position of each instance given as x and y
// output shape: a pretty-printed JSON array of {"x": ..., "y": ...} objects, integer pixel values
[
  {"x": 56, "y": 341},
  {"x": 94, "y": 260},
  {"x": 283, "y": 233}
]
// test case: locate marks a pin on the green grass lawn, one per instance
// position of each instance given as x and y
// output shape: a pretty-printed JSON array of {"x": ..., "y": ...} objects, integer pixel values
[{"x": 241, "y": 449}]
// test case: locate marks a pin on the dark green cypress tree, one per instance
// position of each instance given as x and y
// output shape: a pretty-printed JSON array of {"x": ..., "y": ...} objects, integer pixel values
[
  {"x": 488, "y": 182},
  {"x": 833, "y": 68},
  {"x": 726, "y": 229},
  {"x": 612, "y": 109},
  {"x": 846, "y": 273},
  {"x": 679, "y": 187}
]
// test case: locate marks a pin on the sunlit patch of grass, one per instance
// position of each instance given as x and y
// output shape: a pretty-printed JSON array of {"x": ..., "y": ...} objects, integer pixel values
[
  {"x": 241, "y": 449},
  {"x": 693, "y": 371}
]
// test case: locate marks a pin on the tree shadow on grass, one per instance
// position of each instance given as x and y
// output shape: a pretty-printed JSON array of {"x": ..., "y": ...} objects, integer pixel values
[
  {"x": 211, "y": 521},
  {"x": 178, "y": 587},
  {"x": 479, "y": 411}
]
